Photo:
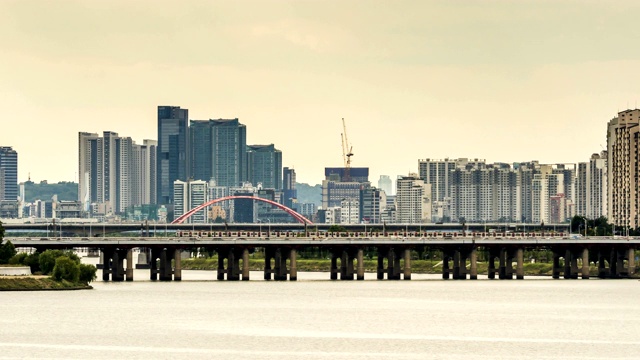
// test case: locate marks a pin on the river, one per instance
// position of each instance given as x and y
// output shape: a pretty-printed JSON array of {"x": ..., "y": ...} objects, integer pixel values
[{"x": 314, "y": 318}]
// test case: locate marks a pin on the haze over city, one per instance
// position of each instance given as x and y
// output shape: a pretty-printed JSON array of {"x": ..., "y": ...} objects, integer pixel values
[{"x": 504, "y": 81}]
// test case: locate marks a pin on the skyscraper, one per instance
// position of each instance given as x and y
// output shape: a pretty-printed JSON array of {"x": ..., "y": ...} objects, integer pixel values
[
  {"x": 413, "y": 200},
  {"x": 264, "y": 164},
  {"x": 623, "y": 142},
  {"x": 290, "y": 194},
  {"x": 8, "y": 173},
  {"x": 229, "y": 152},
  {"x": 385, "y": 184},
  {"x": 173, "y": 150}
]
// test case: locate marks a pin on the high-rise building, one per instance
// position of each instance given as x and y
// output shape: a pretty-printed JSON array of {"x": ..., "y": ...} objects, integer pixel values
[
  {"x": 8, "y": 173},
  {"x": 114, "y": 172},
  {"x": 591, "y": 187},
  {"x": 264, "y": 164},
  {"x": 413, "y": 200},
  {"x": 335, "y": 188},
  {"x": 201, "y": 149},
  {"x": 290, "y": 194},
  {"x": 372, "y": 204},
  {"x": 172, "y": 150},
  {"x": 385, "y": 184},
  {"x": 229, "y": 152},
  {"x": 623, "y": 146},
  {"x": 188, "y": 195}
]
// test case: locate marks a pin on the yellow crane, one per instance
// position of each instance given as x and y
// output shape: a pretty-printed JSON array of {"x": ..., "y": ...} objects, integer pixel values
[{"x": 347, "y": 152}]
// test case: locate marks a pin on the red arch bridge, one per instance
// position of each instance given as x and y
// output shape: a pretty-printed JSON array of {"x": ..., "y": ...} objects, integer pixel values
[{"x": 288, "y": 210}]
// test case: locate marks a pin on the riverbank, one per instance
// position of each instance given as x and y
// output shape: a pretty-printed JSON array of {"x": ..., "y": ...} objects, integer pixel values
[
  {"x": 324, "y": 265},
  {"x": 38, "y": 283}
]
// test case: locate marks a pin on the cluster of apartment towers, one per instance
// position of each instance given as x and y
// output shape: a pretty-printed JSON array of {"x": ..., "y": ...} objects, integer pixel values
[{"x": 193, "y": 161}]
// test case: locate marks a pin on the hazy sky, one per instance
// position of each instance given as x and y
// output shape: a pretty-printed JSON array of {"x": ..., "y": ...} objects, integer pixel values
[{"x": 500, "y": 80}]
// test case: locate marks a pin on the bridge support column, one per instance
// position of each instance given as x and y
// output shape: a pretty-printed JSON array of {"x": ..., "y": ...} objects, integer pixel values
[
  {"x": 567, "y": 264},
  {"x": 456, "y": 264},
  {"x": 165, "y": 265},
  {"x": 602, "y": 269},
  {"x": 221, "y": 257},
  {"x": 555, "y": 273},
  {"x": 445, "y": 264},
  {"x": 268, "y": 254},
  {"x": 574, "y": 264},
  {"x": 100, "y": 264},
  {"x": 233, "y": 265},
  {"x": 245, "y": 265},
  {"x": 117, "y": 266},
  {"x": 280, "y": 265},
  {"x": 585, "y": 263},
  {"x": 613, "y": 264},
  {"x": 129, "y": 265},
  {"x": 520, "y": 263},
  {"x": 334, "y": 265},
  {"x": 153, "y": 268},
  {"x": 106, "y": 263},
  {"x": 632, "y": 262},
  {"x": 503, "y": 264},
  {"x": 346, "y": 266},
  {"x": 473, "y": 255},
  {"x": 491, "y": 267},
  {"x": 380, "y": 273},
  {"x": 177, "y": 271},
  {"x": 360, "y": 259},
  {"x": 393, "y": 265},
  {"x": 293, "y": 271},
  {"x": 407, "y": 264}
]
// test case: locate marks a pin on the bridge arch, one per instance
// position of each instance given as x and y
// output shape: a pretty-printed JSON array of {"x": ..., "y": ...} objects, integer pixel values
[{"x": 288, "y": 210}]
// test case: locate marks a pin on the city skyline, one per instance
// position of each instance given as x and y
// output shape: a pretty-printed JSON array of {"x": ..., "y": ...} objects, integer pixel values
[{"x": 506, "y": 82}]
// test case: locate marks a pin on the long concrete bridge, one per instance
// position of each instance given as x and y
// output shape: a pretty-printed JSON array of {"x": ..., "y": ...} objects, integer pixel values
[{"x": 614, "y": 256}]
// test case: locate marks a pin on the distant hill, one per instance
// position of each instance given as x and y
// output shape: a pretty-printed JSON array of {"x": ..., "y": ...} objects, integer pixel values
[
  {"x": 44, "y": 191},
  {"x": 309, "y": 194}
]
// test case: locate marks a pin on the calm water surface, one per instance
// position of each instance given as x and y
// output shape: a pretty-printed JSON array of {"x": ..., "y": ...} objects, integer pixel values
[{"x": 314, "y": 318}]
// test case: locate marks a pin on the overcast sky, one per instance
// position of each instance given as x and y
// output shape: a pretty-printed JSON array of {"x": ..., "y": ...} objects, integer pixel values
[{"x": 506, "y": 81}]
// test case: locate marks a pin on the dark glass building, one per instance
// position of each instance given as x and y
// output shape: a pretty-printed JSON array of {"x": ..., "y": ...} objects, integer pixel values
[
  {"x": 264, "y": 163},
  {"x": 8, "y": 173},
  {"x": 290, "y": 194},
  {"x": 172, "y": 151},
  {"x": 357, "y": 174}
]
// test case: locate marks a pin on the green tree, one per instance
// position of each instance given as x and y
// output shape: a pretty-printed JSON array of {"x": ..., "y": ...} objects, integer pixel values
[
  {"x": 7, "y": 251},
  {"x": 66, "y": 269},
  {"x": 33, "y": 261},
  {"x": 87, "y": 273},
  {"x": 18, "y": 259},
  {"x": 47, "y": 260}
]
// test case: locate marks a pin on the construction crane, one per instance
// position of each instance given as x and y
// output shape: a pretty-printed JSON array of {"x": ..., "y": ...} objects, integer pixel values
[{"x": 347, "y": 153}]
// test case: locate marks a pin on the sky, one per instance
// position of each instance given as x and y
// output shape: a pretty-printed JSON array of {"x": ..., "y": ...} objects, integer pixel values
[{"x": 505, "y": 81}]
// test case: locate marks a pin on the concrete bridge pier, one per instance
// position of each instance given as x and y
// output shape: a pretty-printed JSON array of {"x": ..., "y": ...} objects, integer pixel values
[
  {"x": 105, "y": 258},
  {"x": 221, "y": 269},
  {"x": 473, "y": 259},
  {"x": 268, "y": 255},
  {"x": 602, "y": 269},
  {"x": 129, "y": 272},
  {"x": 506, "y": 267},
  {"x": 117, "y": 266},
  {"x": 446, "y": 256},
  {"x": 233, "y": 265},
  {"x": 380, "y": 273},
  {"x": 556, "y": 265},
  {"x": 346, "y": 265},
  {"x": 574, "y": 264},
  {"x": 360, "y": 270},
  {"x": 245, "y": 265},
  {"x": 491, "y": 266},
  {"x": 166, "y": 270},
  {"x": 407, "y": 264},
  {"x": 585, "y": 263},
  {"x": 613, "y": 264},
  {"x": 177, "y": 271},
  {"x": 153, "y": 264},
  {"x": 568, "y": 257},
  {"x": 293, "y": 265},
  {"x": 520, "y": 263},
  {"x": 280, "y": 269},
  {"x": 393, "y": 265},
  {"x": 456, "y": 265},
  {"x": 631, "y": 269},
  {"x": 334, "y": 266}
]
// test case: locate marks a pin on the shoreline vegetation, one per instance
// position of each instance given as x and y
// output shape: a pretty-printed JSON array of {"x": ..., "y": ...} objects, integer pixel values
[
  {"x": 417, "y": 266},
  {"x": 39, "y": 283}
]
